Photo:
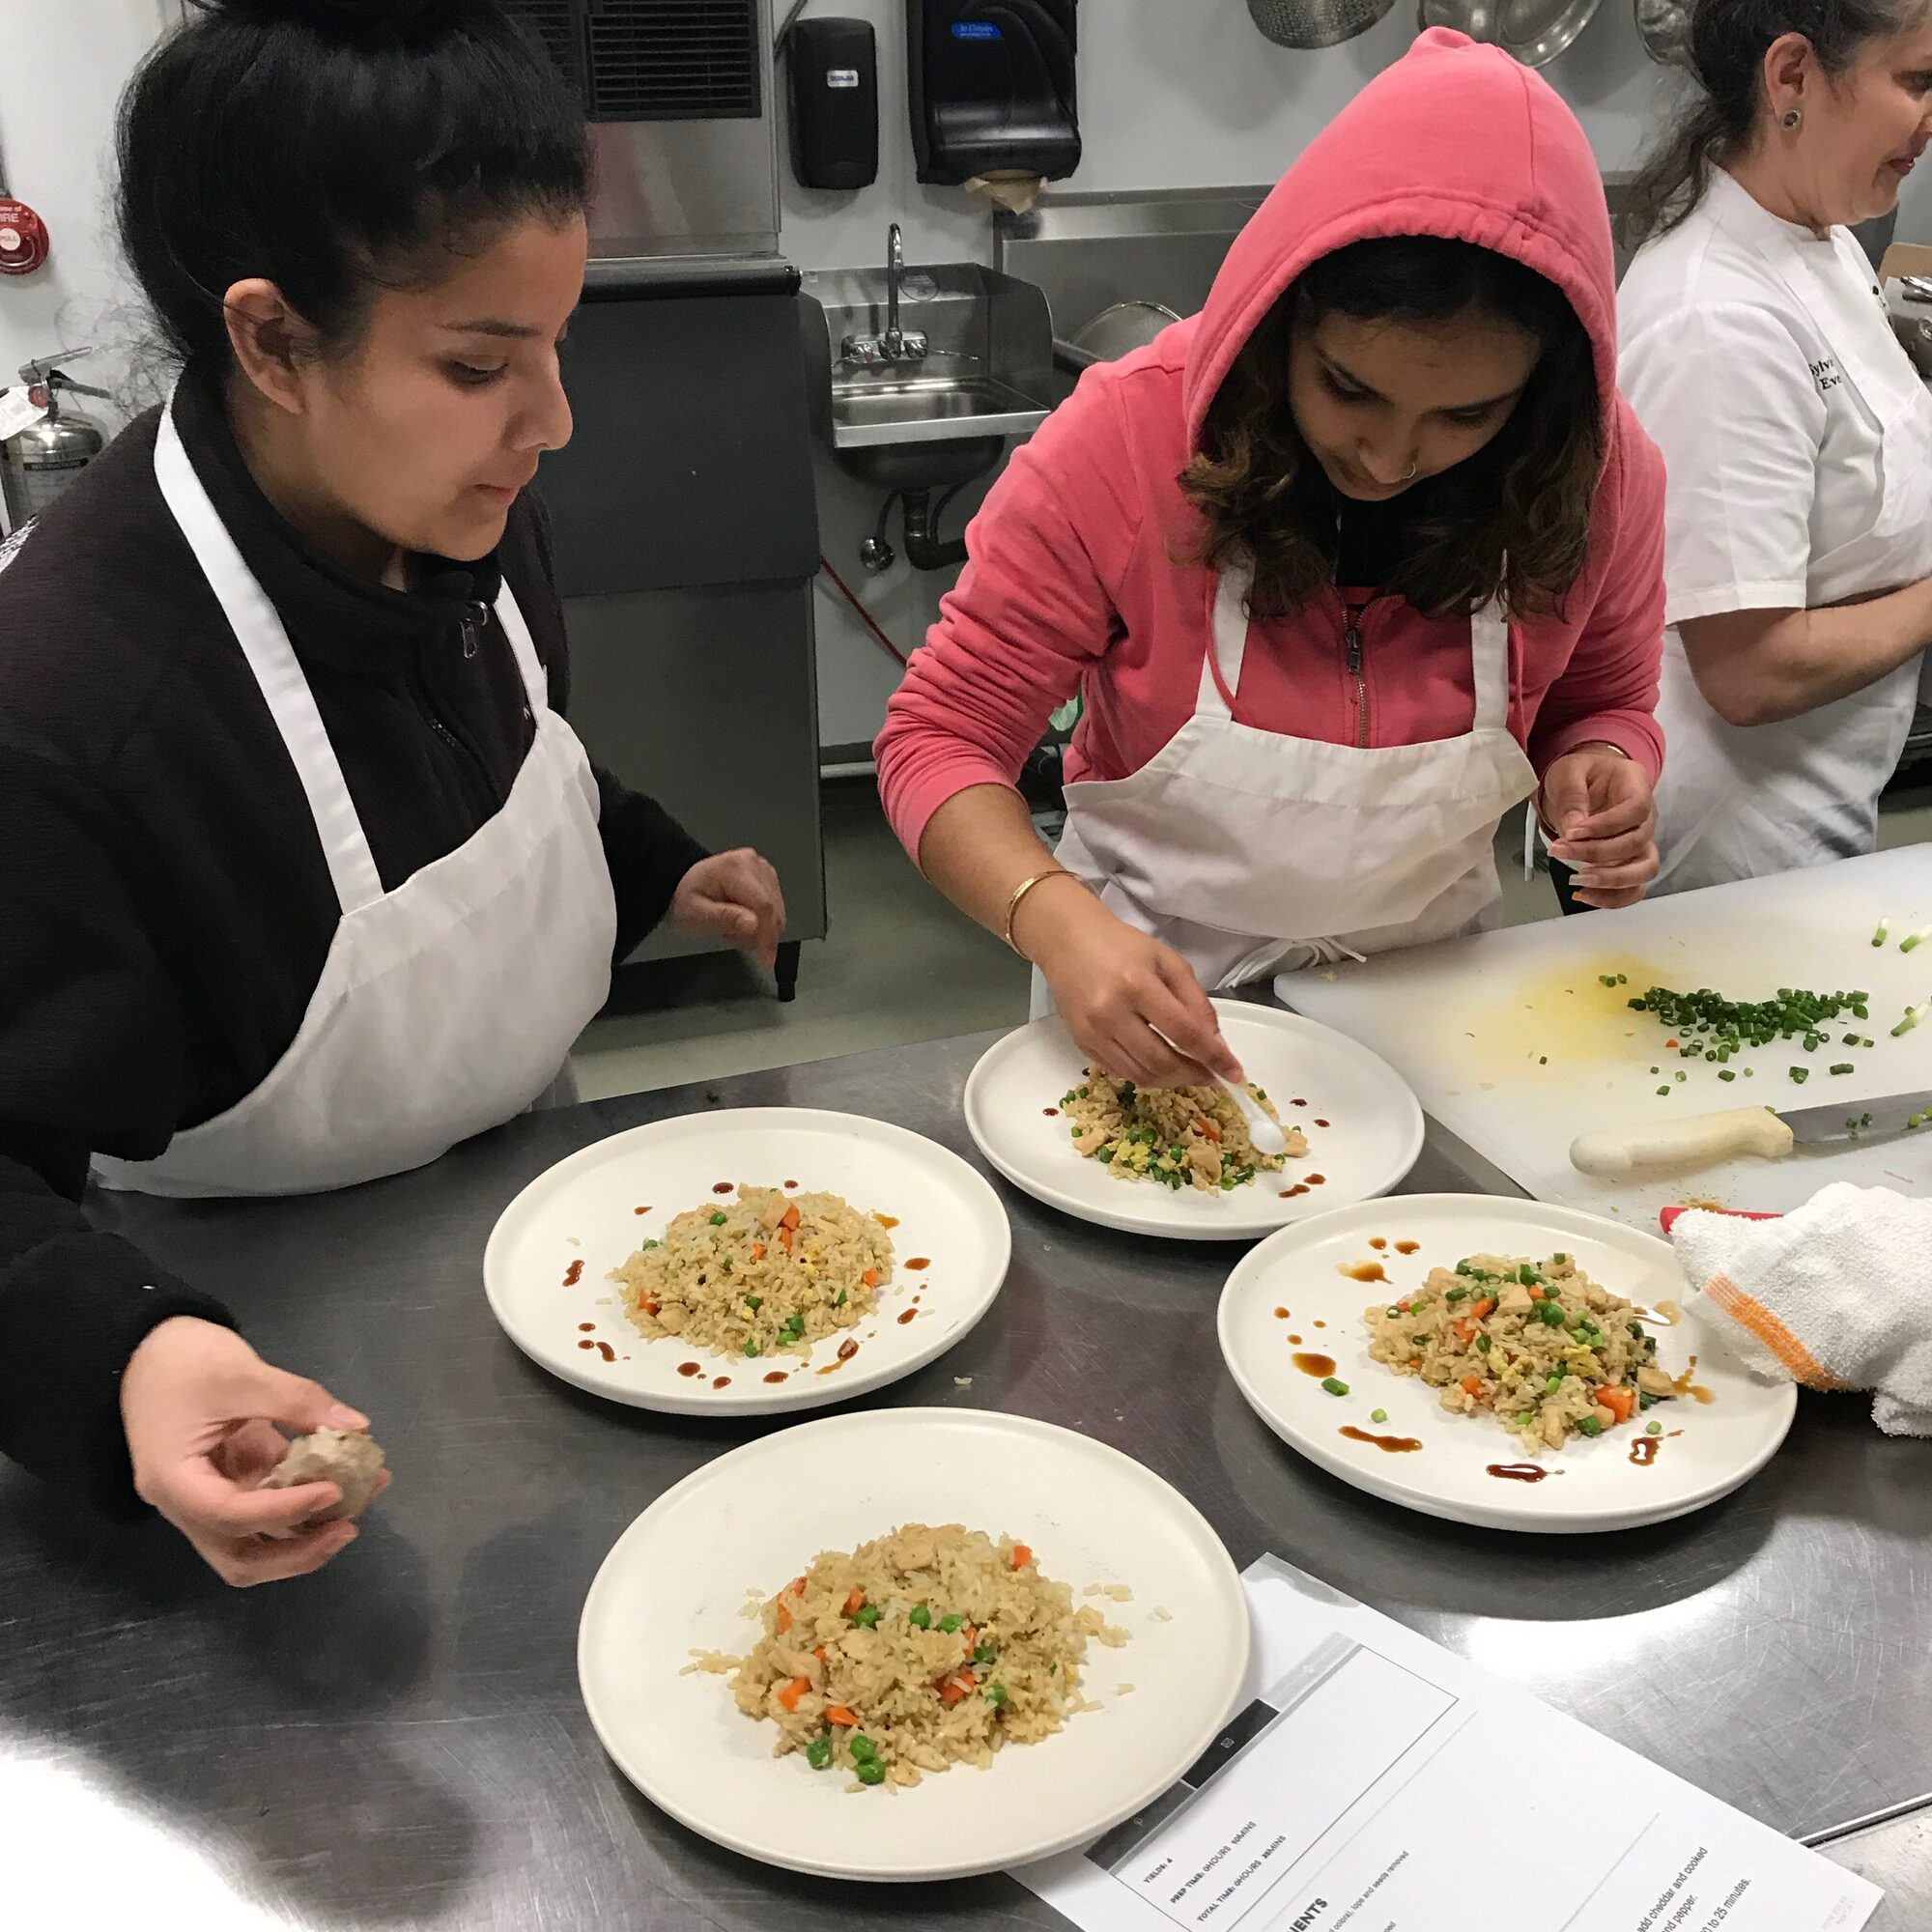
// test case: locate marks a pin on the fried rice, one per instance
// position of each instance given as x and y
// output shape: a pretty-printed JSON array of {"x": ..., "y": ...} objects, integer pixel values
[
  {"x": 922, "y": 1649},
  {"x": 1538, "y": 1344},
  {"x": 766, "y": 1273},
  {"x": 1178, "y": 1136}
]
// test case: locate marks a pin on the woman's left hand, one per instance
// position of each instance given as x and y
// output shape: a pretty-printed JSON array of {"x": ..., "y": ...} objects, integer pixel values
[
  {"x": 734, "y": 897},
  {"x": 1601, "y": 812}
]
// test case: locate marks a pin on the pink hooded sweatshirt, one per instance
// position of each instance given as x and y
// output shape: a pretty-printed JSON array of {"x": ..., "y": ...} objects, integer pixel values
[{"x": 1073, "y": 581}]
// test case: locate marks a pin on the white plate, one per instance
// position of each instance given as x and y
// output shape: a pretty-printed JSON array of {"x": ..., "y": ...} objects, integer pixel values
[
  {"x": 673, "y": 1584},
  {"x": 1723, "y": 1444},
  {"x": 1373, "y": 1135},
  {"x": 584, "y": 1210}
]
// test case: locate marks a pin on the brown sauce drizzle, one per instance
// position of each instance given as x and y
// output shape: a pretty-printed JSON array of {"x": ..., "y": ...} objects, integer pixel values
[
  {"x": 1522, "y": 1472},
  {"x": 1320, "y": 1324},
  {"x": 586, "y": 1345},
  {"x": 641, "y": 1210},
  {"x": 1317, "y": 1180},
  {"x": 1391, "y": 1445},
  {"x": 1320, "y": 1366},
  {"x": 721, "y": 1381},
  {"x": 604, "y": 1349},
  {"x": 887, "y": 1220},
  {"x": 1320, "y": 1124},
  {"x": 847, "y": 1349},
  {"x": 1294, "y": 1341},
  {"x": 721, "y": 1188},
  {"x": 1377, "y": 1243},
  {"x": 907, "y": 1316},
  {"x": 573, "y": 1274},
  {"x": 791, "y": 1184},
  {"x": 1289, "y": 1193},
  {"x": 1049, "y": 1112},
  {"x": 778, "y": 1375},
  {"x": 691, "y": 1368},
  {"x": 587, "y": 1328},
  {"x": 1362, "y": 1270},
  {"x": 1684, "y": 1386},
  {"x": 1646, "y": 1449},
  {"x": 919, "y": 1263},
  {"x": 1297, "y": 1103},
  {"x": 1407, "y": 1247},
  {"x": 1281, "y": 1314}
]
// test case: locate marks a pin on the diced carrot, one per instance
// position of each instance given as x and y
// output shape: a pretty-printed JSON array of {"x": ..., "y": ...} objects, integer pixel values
[
  {"x": 758, "y": 1251},
  {"x": 790, "y": 1219},
  {"x": 870, "y": 1277},
  {"x": 1022, "y": 1555},
  {"x": 1472, "y": 1384},
  {"x": 958, "y": 1686},
  {"x": 1618, "y": 1400},
  {"x": 819, "y": 1651},
  {"x": 855, "y": 1601},
  {"x": 1403, "y": 1304},
  {"x": 1670, "y": 1042},
  {"x": 1486, "y": 1306},
  {"x": 837, "y": 1714},
  {"x": 1464, "y": 1331},
  {"x": 793, "y": 1692},
  {"x": 1536, "y": 1293},
  {"x": 784, "y": 1239},
  {"x": 785, "y": 1619},
  {"x": 650, "y": 1307},
  {"x": 970, "y": 1633},
  {"x": 1207, "y": 1130}
]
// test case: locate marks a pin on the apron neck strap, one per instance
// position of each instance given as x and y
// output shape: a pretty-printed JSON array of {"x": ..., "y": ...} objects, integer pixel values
[
  {"x": 1227, "y": 643},
  {"x": 265, "y": 643},
  {"x": 536, "y": 687}
]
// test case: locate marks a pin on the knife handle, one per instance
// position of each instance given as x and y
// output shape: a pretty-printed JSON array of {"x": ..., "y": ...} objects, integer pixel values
[{"x": 1682, "y": 1147}]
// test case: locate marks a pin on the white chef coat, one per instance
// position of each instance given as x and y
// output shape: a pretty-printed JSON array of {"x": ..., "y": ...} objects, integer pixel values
[{"x": 1798, "y": 441}]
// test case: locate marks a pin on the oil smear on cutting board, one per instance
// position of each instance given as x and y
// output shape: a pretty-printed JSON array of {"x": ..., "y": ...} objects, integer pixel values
[{"x": 1558, "y": 1019}]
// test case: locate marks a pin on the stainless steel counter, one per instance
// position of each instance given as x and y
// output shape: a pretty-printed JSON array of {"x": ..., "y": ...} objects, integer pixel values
[{"x": 398, "y": 1743}]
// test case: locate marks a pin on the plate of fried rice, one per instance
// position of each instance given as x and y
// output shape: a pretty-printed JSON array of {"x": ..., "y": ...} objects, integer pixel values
[
  {"x": 746, "y": 1260},
  {"x": 1500, "y": 1362},
  {"x": 1178, "y": 1161},
  {"x": 984, "y": 1640}
]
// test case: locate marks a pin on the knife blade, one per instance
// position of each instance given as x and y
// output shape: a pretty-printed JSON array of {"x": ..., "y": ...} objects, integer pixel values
[{"x": 1707, "y": 1140}]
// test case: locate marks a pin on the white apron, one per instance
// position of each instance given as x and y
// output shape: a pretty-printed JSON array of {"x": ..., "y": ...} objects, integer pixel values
[
  {"x": 1249, "y": 851},
  {"x": 1737, "y": 803},
  {"x": 445, "y": 1006}
]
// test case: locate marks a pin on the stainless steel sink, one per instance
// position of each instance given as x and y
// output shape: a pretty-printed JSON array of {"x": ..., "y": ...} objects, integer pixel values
[{"x": 972, "y": 366}]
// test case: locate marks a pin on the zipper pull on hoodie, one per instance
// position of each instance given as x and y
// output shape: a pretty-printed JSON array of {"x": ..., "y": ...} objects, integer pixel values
[{"x": 474, "y": 620}]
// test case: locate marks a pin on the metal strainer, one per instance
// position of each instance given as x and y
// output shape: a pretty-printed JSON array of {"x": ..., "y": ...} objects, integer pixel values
[
  {"x": 1534, "y": 31},
  {"x": 1316, "y": 23}
]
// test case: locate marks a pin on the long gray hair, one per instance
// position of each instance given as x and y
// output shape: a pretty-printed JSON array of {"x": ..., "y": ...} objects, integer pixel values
[{"x": 1729, "y": 40}]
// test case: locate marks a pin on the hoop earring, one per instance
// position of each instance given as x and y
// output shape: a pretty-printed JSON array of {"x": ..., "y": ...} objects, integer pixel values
[
  {"x": 1791, "y": 120},
  {"x": 1412, "y": 469}
]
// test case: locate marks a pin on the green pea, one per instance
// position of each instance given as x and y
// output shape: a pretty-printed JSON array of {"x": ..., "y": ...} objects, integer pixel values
[
  {"x": 754, "y": 1302},
  {"x": 818, "y": 1753},
  {"x": 950, "y": 1622},
  {"x": 920, "y": 1617},
  {"x": 1552, "y": 1383},
  {"x": 752, "y": 1349},
  {"x": 1379, "y": 1415},
  {"x": 1481, "y": 1345},
  {"x": 650, "y": 1244},
  {"x": 984, "y": 1654},
  {"x": 1654, "y": 1429},
  {"x": 866, "y": 1616},
  {"x": 995, "y": 1694},
  {"x": 861, "y": 1748},
  {"x": 872, "y": 1772},
  {"x": 1589, "y": 1426},
  {"x": 717, "y": 1219}
]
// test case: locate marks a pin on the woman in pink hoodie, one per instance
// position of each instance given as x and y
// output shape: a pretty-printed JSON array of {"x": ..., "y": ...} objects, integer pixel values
[{"x": 1344, "y": 567}]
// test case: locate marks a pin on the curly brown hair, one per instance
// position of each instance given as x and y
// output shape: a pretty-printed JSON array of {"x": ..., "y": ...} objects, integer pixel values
[{"x": 1514, "y": 519}]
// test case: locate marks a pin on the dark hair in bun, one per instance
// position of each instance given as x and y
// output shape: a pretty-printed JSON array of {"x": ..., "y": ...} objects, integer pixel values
[{"x": 335, "y": 147}]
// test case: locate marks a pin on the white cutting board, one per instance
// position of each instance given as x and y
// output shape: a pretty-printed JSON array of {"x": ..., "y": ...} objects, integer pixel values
[{"x": 1512, "y": 1043}]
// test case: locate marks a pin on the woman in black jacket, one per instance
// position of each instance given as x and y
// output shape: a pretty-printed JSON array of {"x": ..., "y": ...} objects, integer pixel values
[{"x": 304, "y": 877}]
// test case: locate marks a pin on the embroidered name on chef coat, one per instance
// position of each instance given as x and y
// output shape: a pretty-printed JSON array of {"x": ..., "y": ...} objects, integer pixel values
[{"x": 1827, "y": 373}]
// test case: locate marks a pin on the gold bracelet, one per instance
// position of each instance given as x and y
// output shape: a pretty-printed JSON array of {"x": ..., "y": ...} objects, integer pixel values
[{"x": 1020, "y": 892}]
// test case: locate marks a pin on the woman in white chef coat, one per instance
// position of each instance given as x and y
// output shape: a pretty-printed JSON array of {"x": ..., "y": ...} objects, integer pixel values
[
  {"x": 305, "y": 876},
  {"x": 1797, "y": 436}
]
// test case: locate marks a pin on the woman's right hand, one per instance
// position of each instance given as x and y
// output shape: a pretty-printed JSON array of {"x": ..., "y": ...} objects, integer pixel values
[
  {"x": 1119, "y": 991},
  {"x": 200, "y": 1408}
]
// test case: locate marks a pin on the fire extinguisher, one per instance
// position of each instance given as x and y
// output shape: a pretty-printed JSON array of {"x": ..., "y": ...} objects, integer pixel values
[
  {"x": 23, "y": 235},
  {"x": 41, "y": 461}
]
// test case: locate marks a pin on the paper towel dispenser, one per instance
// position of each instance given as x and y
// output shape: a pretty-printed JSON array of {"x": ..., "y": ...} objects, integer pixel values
[{"x": 991, "y": 84}]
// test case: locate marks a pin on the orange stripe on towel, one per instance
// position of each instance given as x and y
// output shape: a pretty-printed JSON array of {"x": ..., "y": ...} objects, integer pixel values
[{"x": 1755, "y": 1316}]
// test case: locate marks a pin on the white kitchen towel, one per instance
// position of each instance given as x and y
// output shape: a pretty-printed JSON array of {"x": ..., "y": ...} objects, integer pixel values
[{"x": 1837, "y": 1294}]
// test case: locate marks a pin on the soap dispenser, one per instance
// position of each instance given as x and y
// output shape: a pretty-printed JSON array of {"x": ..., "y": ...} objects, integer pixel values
[{"x": 991, "y": 87}]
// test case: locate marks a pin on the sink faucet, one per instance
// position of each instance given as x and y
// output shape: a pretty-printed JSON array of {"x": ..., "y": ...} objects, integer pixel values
[{"x": 896, "y": 344}]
